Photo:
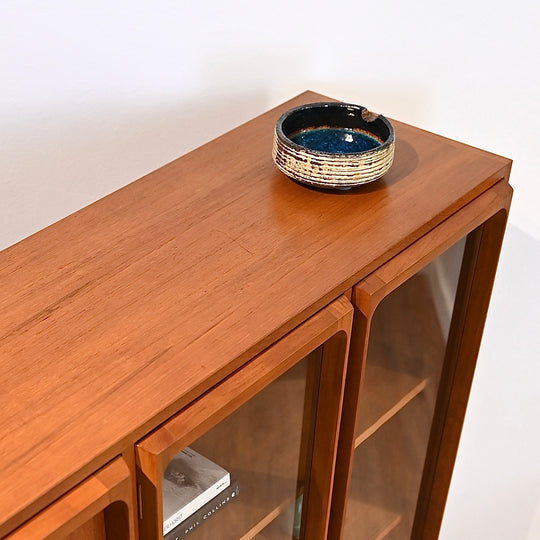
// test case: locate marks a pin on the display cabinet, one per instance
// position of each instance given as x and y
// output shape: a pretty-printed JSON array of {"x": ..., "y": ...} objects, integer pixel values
[{"x": 316, "y": 347}]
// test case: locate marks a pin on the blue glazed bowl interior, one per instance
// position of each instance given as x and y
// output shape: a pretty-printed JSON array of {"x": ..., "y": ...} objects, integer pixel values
[
  {"x": 335, "y": 140},
  {"x": 334, "y": 128}
]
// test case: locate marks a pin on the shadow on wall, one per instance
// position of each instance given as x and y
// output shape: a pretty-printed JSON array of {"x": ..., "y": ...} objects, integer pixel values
[
  {"x": 64, "y": 161},
  {"x": 495, "y": 491}
]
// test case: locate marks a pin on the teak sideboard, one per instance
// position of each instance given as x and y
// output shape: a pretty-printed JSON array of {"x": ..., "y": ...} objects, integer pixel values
[{"x": 319, "y": 346}]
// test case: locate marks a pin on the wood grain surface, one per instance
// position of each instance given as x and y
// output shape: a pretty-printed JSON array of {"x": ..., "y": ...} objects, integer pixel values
[{"x": 117, "y": 316}]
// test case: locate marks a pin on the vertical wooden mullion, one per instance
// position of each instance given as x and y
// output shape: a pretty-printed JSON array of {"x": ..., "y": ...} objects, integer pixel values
[
  {"x": 345, "y": 454},
  {"x": 316, "y": 513}
]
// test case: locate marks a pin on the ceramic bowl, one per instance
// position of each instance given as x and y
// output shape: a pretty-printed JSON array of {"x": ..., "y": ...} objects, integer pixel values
[{"x": 333, "y": 145}]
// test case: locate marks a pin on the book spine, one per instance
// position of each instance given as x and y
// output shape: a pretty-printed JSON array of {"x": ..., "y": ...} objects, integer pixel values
[
  {"x": 205, "y": 513},
  {"x": 196, "y": 503}
]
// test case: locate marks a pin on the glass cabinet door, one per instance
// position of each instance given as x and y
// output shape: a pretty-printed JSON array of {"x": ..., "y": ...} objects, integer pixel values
[
  {"x": 253, "y": 457},
  {"x": 417, "y": 328},
  {"x": 406, "y": 351}
]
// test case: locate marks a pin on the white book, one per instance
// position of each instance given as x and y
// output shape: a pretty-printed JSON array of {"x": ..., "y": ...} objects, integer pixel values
[{"x": 189, "y": 482}]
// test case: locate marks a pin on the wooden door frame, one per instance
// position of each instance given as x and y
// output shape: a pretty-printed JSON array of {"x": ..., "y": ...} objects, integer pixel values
[{"x": 484, "y": 220}]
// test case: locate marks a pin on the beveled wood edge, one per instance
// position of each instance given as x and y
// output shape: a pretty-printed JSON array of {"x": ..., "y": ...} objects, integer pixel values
[
  {"x": 347, "y": 435},
  {"x": 155, "y": 450},
  {"x": 110, "y": 484},
  {"x": 367, "y": 295},
  {"x": 318, "y": 499}
]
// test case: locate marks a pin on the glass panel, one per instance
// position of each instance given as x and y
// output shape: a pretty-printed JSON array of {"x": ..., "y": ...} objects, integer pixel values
[
  {"x": 252, "y": 483},
  {"x": 406, "y": 351}
]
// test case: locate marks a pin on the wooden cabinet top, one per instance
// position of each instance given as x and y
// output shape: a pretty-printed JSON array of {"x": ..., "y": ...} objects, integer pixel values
[{"x": 119, "y": 314}]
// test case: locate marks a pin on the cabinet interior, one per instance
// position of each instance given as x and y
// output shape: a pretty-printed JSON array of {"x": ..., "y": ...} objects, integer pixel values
[{"x": 406, "y": 352}]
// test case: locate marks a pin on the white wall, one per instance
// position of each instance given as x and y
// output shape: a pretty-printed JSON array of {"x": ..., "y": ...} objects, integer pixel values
[
  {"x": 95, "y": 94},
  {"x": 495, "y": 492}
]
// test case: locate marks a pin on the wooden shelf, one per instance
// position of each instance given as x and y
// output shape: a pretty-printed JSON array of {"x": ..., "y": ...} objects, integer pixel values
[
  {"x": 281, "y": 528},
  {"x": 387, "y": 467},
  {"x": 258, "y": 504},
  {"x": 385, "y": 392},
  {"x": 369, "y": 522},
  {"x": 273, "y": 532}
]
